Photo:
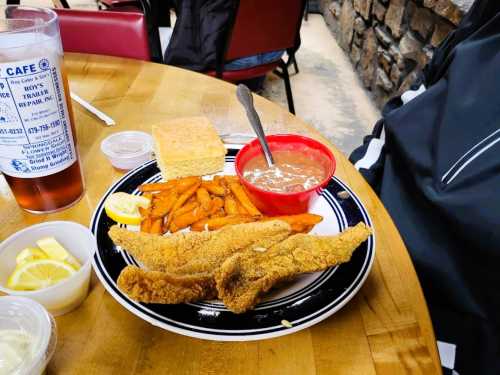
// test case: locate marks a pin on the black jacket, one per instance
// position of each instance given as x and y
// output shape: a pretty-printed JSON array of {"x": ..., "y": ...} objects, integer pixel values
[
  {"x": 438, "y": 174},
  {"x": 200, "y": 33}
]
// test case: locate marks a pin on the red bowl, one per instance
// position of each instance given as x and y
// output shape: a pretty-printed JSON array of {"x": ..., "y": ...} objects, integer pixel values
[{"x": 272, "y": 203}]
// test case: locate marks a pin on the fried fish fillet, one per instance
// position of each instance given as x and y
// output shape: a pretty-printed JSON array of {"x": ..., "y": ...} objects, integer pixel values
[
  {"x": 161, "y": 287},
  {"x": 197, "y": 252},
  {"x": 181, "y": 267},
  {"x": 244, "y": 277}
]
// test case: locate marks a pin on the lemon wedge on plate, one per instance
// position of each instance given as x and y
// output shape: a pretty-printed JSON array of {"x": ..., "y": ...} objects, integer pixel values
[
  {"x": 56, "y": 251},
  {"x": 39, "y": 274},
  {"x": 124, "y": 208},
  {"x": 29, "y": 254}
]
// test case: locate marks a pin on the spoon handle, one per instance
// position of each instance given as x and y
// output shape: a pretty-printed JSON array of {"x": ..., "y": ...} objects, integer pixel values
[{"x": 245, "y": 97}]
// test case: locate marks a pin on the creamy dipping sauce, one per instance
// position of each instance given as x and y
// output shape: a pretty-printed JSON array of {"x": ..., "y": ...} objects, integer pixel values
[
  {"x": 293, "y": 171},
  {"x": 16, "y": 346}
]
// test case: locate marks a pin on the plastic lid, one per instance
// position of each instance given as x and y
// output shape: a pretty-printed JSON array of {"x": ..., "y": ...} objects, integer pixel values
[
  {"x": 128, "y": 144},
  {"x": 19, "y": 314}
]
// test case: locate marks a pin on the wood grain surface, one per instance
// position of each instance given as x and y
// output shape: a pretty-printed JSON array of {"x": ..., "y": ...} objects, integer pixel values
[{"x": 385, "y": 329}]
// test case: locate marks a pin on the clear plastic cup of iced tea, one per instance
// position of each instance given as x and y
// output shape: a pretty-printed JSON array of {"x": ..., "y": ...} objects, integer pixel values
[{"x": 38, "y": 154}]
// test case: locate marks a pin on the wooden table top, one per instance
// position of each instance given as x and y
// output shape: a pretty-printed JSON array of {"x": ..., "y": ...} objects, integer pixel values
[{"x": 385, "y": 329}]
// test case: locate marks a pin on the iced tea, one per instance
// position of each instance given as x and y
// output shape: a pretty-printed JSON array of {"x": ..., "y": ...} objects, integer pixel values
[{"x": 38, "y": 153}]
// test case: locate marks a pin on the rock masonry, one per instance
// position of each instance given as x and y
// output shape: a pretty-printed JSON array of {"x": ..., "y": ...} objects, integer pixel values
[{"x": 389, "y": 41}]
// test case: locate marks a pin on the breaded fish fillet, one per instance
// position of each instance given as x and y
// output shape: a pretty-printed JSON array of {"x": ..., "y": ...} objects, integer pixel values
[
  {"x": 244, "y": 277},
  {"x": 181, "y": 266},
  {"x": 197, "y": 252},
  {"x": 161, "y": 287}
]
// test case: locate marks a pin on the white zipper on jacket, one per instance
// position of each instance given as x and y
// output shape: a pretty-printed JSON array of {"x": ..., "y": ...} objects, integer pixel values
[{"x": 473, "y": 153}]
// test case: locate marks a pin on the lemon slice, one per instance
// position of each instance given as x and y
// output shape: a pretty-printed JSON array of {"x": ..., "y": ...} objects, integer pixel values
[
  {"x": 124, "y": 208},
  {"x": 39, "y": 274},
  {"x": 29, "y": 254},
  {"x": 56, "y": 251}
]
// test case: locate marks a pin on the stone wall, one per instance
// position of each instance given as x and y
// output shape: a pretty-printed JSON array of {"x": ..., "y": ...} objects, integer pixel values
[{"x": 389, "y": 41}]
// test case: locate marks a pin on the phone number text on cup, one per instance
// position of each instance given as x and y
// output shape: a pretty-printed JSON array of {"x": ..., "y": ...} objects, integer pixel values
[
  {"x": 43, "y": 128},
  {"x": 11, "y": 131}
]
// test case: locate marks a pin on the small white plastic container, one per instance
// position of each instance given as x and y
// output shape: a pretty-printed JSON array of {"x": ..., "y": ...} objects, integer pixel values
[
  {"x": 26, "y": 321},
  {"x": 128, "y": 150},
  {"x": 62, "y": 297}
]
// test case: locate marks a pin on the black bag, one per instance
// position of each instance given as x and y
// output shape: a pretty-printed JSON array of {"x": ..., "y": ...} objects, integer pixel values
[{"x": 438, "y": 173}]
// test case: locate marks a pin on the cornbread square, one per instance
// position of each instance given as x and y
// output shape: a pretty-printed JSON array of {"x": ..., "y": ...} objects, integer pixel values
[{"x": 188, "y": 147}]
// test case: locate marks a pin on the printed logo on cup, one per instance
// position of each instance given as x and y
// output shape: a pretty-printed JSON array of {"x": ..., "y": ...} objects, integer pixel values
[{"x": 35, "y": 132}]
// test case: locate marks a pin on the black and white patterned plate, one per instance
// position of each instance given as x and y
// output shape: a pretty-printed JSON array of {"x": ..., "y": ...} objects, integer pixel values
[{"x": 305, "y": 301}]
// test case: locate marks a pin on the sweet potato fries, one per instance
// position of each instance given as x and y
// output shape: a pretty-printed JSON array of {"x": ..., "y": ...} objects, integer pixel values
[{"x": 200, "y": 205}]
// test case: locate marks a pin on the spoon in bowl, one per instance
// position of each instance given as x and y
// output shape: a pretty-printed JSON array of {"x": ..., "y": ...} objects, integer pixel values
[{"x": 245, "y": 97}]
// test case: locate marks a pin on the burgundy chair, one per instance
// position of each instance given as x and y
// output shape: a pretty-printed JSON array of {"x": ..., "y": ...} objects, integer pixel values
[
  {"x": 262, "y": 26},
  {"x": 152, "y": 13},
  {"x": 122, "y": 34}
]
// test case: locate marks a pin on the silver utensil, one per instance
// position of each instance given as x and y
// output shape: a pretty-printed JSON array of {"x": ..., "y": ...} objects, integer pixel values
[
  {"x": 99, "y": 114},
  {"x": 245, "y": 97}
]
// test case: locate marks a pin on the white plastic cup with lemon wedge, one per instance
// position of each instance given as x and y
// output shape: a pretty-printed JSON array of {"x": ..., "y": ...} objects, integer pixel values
[{"x": 72, "y": 282}]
